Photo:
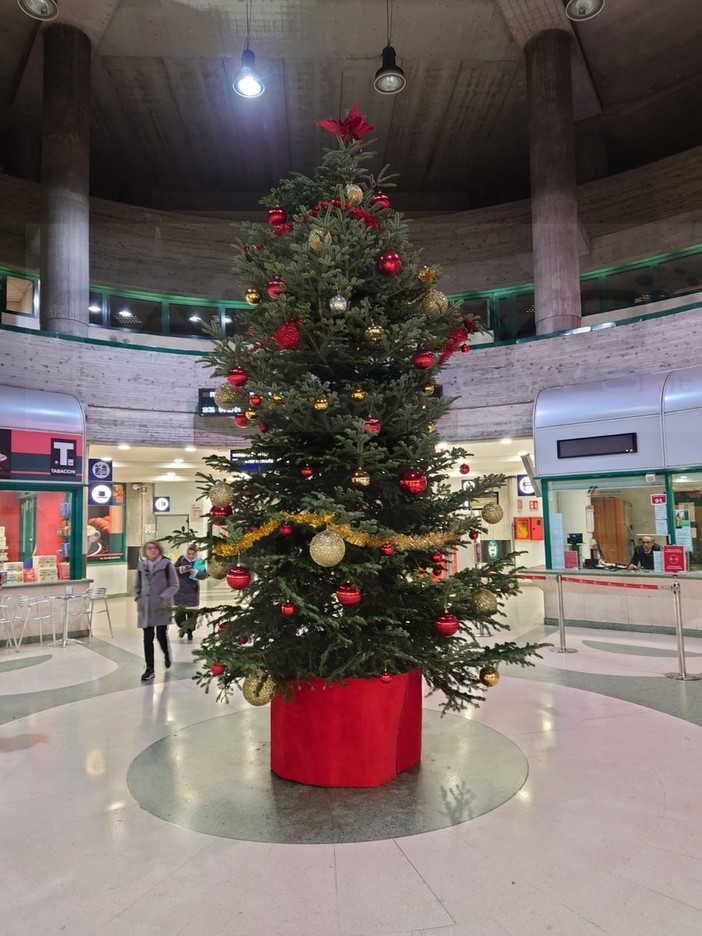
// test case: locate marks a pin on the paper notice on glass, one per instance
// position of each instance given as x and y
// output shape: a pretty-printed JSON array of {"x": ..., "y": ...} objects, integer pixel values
[
  {"x": 661, "y": 515},
  {"x": 557, "y": 541},
  {"x": 683, "y": 537},
  {"x": 657, "y": 560}
]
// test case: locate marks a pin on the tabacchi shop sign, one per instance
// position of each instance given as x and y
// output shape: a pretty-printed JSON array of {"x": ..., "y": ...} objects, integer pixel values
[{"x": 27, "y": 455}]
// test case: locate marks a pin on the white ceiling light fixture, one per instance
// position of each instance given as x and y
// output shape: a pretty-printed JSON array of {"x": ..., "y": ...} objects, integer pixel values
[
  {"x": 581, "y": 10},
  {"x": 247, "y": 81},
  {"x": 190, "y": 448},
  {"x": 123, "y": 447},
  {"x": 389, "y": 79},
  {"x": 43, "y": 10}
]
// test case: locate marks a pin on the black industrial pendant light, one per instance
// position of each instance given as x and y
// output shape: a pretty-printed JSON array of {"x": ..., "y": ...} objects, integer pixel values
[
  {"x": 247, "y": 81},
  {"x": 389, "y": 79},
  {"x": 39, "y": 9},
  {"x": 581, "y": 10}
]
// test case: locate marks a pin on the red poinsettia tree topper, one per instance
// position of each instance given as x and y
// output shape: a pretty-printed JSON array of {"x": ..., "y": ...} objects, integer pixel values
[{"x": 353, "y": 126}]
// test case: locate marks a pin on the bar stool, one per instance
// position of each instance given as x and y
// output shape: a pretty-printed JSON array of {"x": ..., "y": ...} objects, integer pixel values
[
  {"x": 91, "y": 596},
  {"x": 35, "y": 611},
  {"x": 6, "y": 621}
]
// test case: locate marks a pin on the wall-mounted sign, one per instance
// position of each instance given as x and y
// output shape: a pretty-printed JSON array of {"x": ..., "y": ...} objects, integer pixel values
[
  {"x": 245, "y": 463},
  {"x": 658, "y": 499},
  {"x": 533, "y": 505},
  {"x": 524, "y": 486},
  {"x": 99, "y": 469},
  {"x": 27, "y": 455},
  {"x": 99, "y": 495},
  {"x": 206, "y": 405},
  {"x": 162, "y": 505}
]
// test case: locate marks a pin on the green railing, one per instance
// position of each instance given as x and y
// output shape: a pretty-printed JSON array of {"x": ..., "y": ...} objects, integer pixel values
[{"x": 507, "y": 313}]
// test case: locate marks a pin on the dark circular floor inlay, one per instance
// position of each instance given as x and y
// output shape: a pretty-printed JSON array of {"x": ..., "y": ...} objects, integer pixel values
[
  {"x": 214, "y": 777},
  {"x": 22, "y": 662}
]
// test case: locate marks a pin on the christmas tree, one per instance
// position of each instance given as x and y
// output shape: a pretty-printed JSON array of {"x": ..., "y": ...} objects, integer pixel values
[{"x": 339, "y": 545}]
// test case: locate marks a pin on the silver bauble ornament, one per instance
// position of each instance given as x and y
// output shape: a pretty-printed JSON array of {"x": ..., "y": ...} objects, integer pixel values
[
  {"x": 338, "y": 303},
  {"x": 327, "y": 549}
]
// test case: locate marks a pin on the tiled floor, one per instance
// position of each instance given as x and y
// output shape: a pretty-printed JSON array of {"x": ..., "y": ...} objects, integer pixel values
[{"x": 604, "y": 837}]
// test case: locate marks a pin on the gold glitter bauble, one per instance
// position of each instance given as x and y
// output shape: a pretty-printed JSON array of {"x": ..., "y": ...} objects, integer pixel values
[
  {"x": 251, "y": 414},
  {"x": 428, "y": 274},
  {"x": 484, "y": 601},
  {"x": 360, "y": 478},
  {"x": 434, "y": 303},
  {"x": 489, "y": 676},
  {"x": 428, "y": 388},
  {"x": 321, "y": 404},
  {"x": 353, "y": 194},
  {"x": 492, "y": 513},
  {"x": 221, "y": 494},
  {"x": 226, "y": 396},
  {"x": 374, "y": 333},
  {"x": 217, "y": 568},
  {"x": 319, "y": 240},
  {"x": 431, "y": 427},
  {"x": 252, "y": 296},
  {"x": 256, "y": 696},
  {"x": 358, "y": 394},
  {"x": 327, "y": 549}
]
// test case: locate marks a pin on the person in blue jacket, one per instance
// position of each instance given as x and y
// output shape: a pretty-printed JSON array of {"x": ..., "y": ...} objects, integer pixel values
[{"x": 191, "y": 571}]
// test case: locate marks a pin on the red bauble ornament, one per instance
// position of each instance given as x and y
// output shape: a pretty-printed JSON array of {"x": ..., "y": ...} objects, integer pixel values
[
  {"x": 277, "y": 216},
  {"x": 348, "y": 594},
  {"x": 423, "y": 359},
  {"x": 306, "y": 471},
  {"x": 237, "y": 377},
  {"x": 223, "y": 627},
  {"x": 263, "y": 428},
  {"x": 413, "y": 481},
  {"x": 380, "y": 200},
  {"x": 371, "y": 425},
  {"x": 385, "y": 676},
  {"x": 240, "y": 420},
  {"x": 254, "y": 526},
  {"x": 287, "y": 336},
  {"x": 218, "y": 669},
  {"x": 387, "y": 549},
  {"x": 280, "y": 229},
  {"x": 446, "y": 624},
  {"x": 275, "y": 288},
  {"x": 464, "y": 469},
  {"x": 465, "y": 348},
  {"x": 255, "y": 399},
  {"x": 437, "y": 558},
  {"x": 474, "y": 534},
  {"x": 243, "y": 639},
  {"x": 286, "y": 529},
  {"x": 238, "y": 577},
  {"x": 389, "y": 263},
  {"x": 287, "y": 608},
  {"x": 218, "y": 515}
]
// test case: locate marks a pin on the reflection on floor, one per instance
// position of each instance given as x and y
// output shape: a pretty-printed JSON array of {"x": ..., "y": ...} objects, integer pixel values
[{"x": 603, "y": 837}]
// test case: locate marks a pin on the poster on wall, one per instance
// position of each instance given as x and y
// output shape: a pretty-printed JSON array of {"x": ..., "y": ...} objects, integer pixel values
[
  {"x": 106, "y": 529},
  {"x": 683, "y": 528}
]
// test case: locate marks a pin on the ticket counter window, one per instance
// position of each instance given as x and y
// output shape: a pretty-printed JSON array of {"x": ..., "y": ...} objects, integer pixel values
[
  {"x": 598, "y": 522},
  {"x": 687, "y": 514},
  {"x": 35, "y": 535}
]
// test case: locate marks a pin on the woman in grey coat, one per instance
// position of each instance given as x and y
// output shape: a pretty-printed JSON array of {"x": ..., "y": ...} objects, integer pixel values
[{"x": 156, "y": 584}]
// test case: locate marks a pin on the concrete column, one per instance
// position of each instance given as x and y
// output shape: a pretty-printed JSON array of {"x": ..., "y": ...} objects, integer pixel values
[
  {"x": 554, "y": 207},
  {"x": 65, "y": 176},
  {"x": 24, "y": 152},
  {"x": 591, "y": 154}
]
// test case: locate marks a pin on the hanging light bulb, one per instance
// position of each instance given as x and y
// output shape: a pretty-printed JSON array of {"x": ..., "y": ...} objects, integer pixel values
[
  {"x": 247, "y": 81},
  {"x": 39, "y": 9},
  {"x": 389, "y": 79},
  {"x": 580, "y": 10}
]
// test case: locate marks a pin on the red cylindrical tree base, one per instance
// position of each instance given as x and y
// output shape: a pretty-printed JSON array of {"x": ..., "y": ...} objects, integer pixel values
[{"x": 361, "y": 733}]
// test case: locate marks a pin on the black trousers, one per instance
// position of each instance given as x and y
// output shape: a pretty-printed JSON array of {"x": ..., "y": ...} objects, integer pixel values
[
  {"x": 161, "y": 636},
  {"x": 180, "y": 618}
]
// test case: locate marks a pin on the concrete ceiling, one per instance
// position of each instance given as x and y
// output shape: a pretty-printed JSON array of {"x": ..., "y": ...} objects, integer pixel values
[{"x": 167, "y": 130}]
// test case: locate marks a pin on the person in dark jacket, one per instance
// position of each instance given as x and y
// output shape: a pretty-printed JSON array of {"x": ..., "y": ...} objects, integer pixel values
[
  {"x": 156, "y": 584},
  {"x": 642, "y": 557},
  {"x": 191, "y": 571}
]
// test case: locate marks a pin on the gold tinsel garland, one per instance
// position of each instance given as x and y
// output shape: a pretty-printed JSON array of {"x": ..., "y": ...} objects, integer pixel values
[{"x": 346, "y": 532}]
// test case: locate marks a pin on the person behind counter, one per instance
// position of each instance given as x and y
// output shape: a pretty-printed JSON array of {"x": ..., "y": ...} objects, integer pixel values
[{"x": 642, "y": 557}]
